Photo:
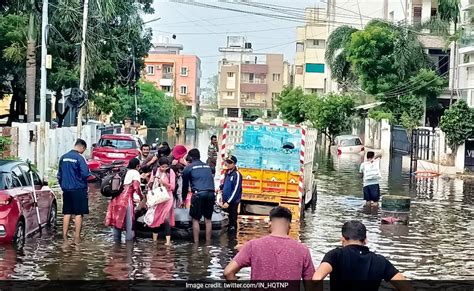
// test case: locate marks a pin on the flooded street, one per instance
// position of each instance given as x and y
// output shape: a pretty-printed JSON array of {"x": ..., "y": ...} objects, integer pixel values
[{"x": 435, "y": 245}]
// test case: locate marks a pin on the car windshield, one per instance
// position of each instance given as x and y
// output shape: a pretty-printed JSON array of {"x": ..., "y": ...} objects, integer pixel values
[
  {"x": 117, "y": 143},
  {"x": 350, "y": 142}
]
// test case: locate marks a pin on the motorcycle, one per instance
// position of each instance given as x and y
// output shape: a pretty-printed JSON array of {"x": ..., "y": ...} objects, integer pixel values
[{"x": 100, "y": 171}]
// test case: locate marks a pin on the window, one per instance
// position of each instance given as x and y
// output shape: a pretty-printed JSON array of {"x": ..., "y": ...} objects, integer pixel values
[
  {"x": 314, "y": 68},
  {"x": 166, "y": 88},
  {"x": 184, "y": 71},
  {"x": 417, "y": 15},
  {"x": 26, "y": 171},
  {"x": 183, "y": 90},
  {"x": 299, "y": 47},
  {"x": 251, "y": 77},
  {"x": 118, "y": 143},
  {"x": 316, "y": 91},
  {"x": 150, "y": 70},
  {"x": 275, "y": 95},
  {"x": 316, "y": 43},
  {"x": 167, "y": 69},
  {"x": 230, "y": 74},
  {"x": 392, "y": 16},
  {"x": 229, "y": 95},
  {"x": 299, "y": 70},
  {"x": 18, "y": 175},
  {"x": 276, "y": 77}
]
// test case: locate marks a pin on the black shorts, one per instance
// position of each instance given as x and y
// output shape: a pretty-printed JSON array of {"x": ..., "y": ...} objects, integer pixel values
[
  {"x": 75, "y": 202},
  {"x": 372, "y": 193},
  {"x": 202, "y": 204}
]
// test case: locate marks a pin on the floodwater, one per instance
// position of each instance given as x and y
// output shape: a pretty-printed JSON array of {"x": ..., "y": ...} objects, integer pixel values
[{"x": 435, "y": 245}]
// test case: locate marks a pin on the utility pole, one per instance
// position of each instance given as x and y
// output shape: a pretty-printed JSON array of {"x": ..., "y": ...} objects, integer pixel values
[
  {"x": 44, "y": 52},
  {"x": 31, "y": 64},
  {"x": 82, "y": 76}
]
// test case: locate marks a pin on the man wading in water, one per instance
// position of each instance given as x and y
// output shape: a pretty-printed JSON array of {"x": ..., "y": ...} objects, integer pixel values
[{"x": 370, "y": 171}]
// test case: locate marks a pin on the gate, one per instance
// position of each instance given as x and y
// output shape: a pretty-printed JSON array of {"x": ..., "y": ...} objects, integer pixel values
[
  {"x": 421, "y": 147},
  {"x": 400, "y": 142}
]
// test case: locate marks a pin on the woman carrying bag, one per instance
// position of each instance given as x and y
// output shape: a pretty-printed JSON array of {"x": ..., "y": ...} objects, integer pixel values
[
  {"x": 161, "y": 209},
  {"x": 121, "y": 210}
]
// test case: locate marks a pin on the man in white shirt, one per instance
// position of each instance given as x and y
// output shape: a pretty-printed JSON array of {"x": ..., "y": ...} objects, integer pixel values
[{"x": 370, "y": 171}]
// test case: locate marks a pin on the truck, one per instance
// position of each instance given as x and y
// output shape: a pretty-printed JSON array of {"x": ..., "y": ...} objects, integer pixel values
[{"x": 276, "y": 163}]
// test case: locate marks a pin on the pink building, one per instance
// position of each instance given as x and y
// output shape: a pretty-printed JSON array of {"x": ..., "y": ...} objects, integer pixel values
[{"x": 176, "y": 74}]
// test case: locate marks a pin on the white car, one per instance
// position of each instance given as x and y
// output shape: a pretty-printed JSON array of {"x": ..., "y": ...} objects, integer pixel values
[{"x": 348, "y": 144}]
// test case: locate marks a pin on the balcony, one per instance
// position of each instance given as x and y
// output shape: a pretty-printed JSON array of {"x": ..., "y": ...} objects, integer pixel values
[
  {"x": 167, "y": 75},
  {"x": 166, "y": 82},
  {"x": 253, "y": 88},
  {"x": 252, "y": 104},
  {"x": 254, "y": 68}
]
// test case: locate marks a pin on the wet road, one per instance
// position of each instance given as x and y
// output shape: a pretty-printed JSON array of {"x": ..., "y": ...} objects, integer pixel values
[{"x": 436, "y": 244}]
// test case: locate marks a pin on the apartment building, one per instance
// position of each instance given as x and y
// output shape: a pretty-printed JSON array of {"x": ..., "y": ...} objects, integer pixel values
[
  {"x": 466, "y": 53},
  {"x": 178, "y": 75},
  {"x": 247, "y": 80},
  {"x": 311, "y": 72}
]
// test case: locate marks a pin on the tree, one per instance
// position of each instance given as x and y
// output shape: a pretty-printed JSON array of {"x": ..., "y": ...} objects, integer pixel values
[
  {"x": 31, "y": 62},
  {"x": 157, "y": 109},
  {"x": 458, "y": 124},
  {"x": 290, "y": 103},
  {"x": 12, "y": 60},
  {"x": 336, "y": 56},
  {"x": 116, "y": 46},
  {"x": 330, "y": 114}
]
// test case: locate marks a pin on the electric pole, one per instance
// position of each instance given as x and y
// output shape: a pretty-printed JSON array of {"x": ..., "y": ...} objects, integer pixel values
[
  {"x": 83, "y": 64},
  {"x": 42, "y": 132}
]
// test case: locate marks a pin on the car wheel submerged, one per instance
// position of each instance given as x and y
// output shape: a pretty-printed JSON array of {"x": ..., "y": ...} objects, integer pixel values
[
  {"x": 53, "y": 215},
  {"x": 19, "y": 237}
]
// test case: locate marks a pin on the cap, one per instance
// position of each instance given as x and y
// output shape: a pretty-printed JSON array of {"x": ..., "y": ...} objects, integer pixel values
[
  {"x": 231, "y": 159},
  {"x": 179, "y": 151}
]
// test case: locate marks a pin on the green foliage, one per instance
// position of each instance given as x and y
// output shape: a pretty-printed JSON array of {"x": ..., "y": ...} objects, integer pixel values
[
  {"x": 336, "y": 56},
  {"x": 458, "y": 123},
  {"x": 4, "y": 141},
  {"x": 156, "y": 108},
  {"x": 378, "y": 115},
  {"x": 290, "y": 103},
  {"x": 330, "y": 114}
]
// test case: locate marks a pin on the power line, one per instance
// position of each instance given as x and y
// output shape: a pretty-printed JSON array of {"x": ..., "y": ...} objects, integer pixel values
[{"x": 227, "y": 32}]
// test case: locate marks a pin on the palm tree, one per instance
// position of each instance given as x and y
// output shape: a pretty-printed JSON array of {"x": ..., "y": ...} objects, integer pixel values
[{"x": 336, "y": 56}]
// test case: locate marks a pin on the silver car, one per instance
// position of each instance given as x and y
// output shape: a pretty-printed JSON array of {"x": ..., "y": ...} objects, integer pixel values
[{"x": 348, "y": 144}]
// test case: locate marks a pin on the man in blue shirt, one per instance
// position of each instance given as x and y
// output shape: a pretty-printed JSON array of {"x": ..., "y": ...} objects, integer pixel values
[
  {"x": 199, "y": 176},
  {"x": 72, "y": 176},
  {"x": 232, "y": 192}
]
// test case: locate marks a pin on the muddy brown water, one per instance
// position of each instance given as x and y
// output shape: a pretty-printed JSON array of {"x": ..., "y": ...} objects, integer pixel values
[{"x": 435, "y": 245}]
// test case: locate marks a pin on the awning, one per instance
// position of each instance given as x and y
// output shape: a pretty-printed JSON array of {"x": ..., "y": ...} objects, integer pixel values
[{"x": 369, "y": 106}]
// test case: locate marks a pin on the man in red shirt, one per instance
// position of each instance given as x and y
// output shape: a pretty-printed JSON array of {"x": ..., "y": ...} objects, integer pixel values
[{"x": 276, "y": 256}]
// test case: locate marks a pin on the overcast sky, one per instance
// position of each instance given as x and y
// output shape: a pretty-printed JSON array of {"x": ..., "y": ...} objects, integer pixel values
[{"x": 203, "y": 30}]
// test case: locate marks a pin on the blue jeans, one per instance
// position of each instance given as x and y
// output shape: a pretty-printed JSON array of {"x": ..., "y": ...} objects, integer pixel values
[{"x": 130, "y": 234}]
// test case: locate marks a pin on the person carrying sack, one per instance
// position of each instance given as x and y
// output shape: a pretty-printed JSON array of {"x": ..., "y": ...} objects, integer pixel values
[
  {"x": 370, "y": 171},
  {"x": 160, "y": 200}
]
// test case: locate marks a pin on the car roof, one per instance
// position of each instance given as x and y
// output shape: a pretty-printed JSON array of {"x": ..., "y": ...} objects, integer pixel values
[
  {"x": 7, "y": 165},
  {"x": 121, "y": 136},
  {"x": 348, "y": 136}
]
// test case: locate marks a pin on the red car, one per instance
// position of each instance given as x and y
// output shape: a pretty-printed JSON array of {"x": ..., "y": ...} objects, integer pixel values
[
  {"x": 18, "y": 210},
  {"x": 115, "y": 147}
]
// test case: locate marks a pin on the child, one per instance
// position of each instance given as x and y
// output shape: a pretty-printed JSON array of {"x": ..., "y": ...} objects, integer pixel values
[{"x": 370, "y": 170}]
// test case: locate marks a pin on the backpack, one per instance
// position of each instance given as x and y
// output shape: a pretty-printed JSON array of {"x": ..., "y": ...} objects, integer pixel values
[{"x": 112, "y": 185}]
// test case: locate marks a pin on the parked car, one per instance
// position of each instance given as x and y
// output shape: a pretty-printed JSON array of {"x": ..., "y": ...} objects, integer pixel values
[
  {"x": 347, "y": 144},
  {"x": 18, "y": 210},
  {"x": 116, "y": 147}
]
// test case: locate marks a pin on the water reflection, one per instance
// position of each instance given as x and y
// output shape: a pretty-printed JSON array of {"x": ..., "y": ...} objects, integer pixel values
[{"x": 436, "y": 243}]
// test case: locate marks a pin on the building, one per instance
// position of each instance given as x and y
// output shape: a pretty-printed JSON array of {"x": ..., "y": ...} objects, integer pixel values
[
  {"x": 466, "y": 51},
  {"x": 177, "y": 74},
  {"x": 247, "y": 80},
  {"x": 311, "y": 72}
]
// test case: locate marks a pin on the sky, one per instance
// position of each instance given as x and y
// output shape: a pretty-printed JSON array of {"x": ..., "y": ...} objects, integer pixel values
[{"x": 202, "y": 31}]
